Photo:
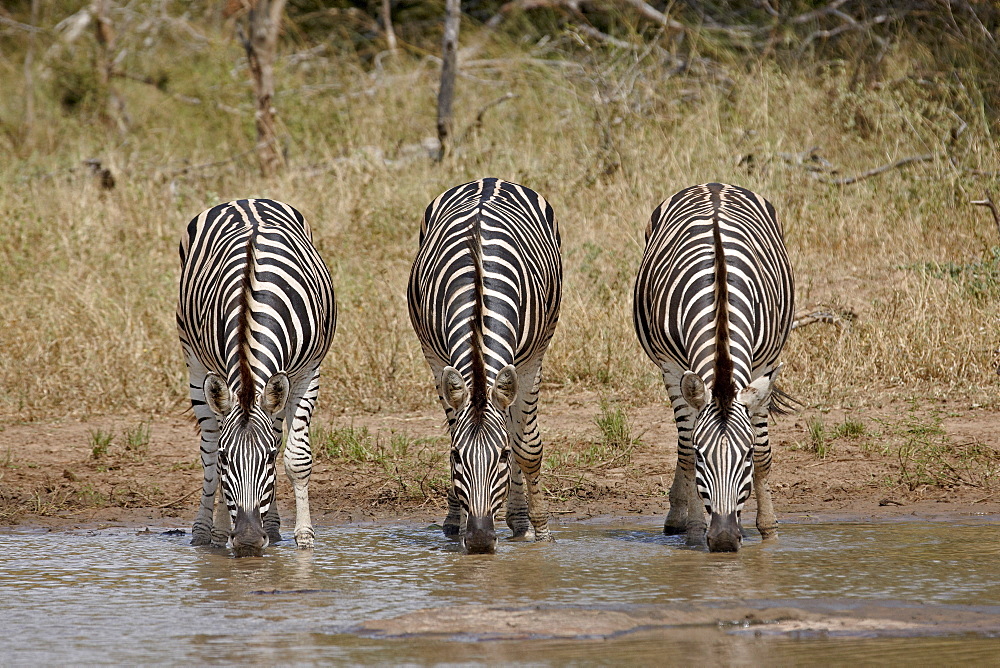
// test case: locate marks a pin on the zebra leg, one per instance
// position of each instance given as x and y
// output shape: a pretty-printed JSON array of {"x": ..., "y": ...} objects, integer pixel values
[
  {"x": 526, "y": 445},
  {"x": 676, "y": 522},
  {"x": 272, "y": 523},
  {"x": 767, "y": 523},
  {"x": 454, "y": 523},
  {"x": 517, "y": 506},
  {"x": 298, "y": 457},
  {"x": 201, "y": 532},
  {"x": 222, "y": 526},
  {"x": 685, "y": 515}
]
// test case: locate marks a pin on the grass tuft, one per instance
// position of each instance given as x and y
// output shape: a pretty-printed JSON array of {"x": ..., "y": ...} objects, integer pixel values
[{"x": 100, "y": 443}]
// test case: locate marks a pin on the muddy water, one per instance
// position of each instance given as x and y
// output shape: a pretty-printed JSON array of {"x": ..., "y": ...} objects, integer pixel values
[{"x": 823, "y": 593}]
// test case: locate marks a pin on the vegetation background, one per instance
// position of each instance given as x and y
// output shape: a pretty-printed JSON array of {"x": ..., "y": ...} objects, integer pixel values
[{"x": 605, "y": 107}]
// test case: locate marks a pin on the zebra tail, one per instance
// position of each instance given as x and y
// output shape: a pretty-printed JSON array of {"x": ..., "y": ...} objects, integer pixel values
[
  {"x": 243, "y": 334},
  {"x": 478, "y": 391},
  {"x": 783, "y": 403}
]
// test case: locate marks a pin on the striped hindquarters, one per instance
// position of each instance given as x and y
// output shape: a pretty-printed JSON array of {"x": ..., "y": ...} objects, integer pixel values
[
  {"x": 677, "y": 316},
  {"x": 255, "y": 296},
  {"x": 514, "y": 230}
]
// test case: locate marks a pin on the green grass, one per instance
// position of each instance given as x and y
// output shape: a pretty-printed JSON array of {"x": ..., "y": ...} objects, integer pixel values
[
  {"x": 405, "y": 467},
  {"x": 927, "y": 456},
  {"x": 100, "y": 443},
  {"x": 614, "y": 447},
  {"x": 137, "y": 440}
]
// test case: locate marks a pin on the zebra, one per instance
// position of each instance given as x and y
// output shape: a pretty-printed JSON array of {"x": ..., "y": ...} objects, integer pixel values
[
  {"x": 256, "y": 315},
  {"x": 483, "y": 297},
  {"x": 713, "y": 306}
]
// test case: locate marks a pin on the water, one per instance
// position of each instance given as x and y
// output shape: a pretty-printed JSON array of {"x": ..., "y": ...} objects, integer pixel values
[{"x": 122, "y": 597}]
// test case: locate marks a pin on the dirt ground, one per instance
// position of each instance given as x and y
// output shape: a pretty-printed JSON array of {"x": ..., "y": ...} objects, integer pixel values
[{"x": 929, "y": 462}]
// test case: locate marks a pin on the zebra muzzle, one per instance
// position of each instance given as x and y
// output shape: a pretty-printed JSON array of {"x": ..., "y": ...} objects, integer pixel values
[
  {"x": 724, "y": 533},
  {"x": 480, "y": 535},
  {"x": 248, "y": 537}
]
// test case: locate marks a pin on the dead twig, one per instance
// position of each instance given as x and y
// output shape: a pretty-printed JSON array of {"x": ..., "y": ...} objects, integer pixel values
[
  {"x": 803, "y": 318},
  {"x": 831, "y": 461},
  {"x": 989, "y": 204},
  {"x": 848, "y": 180},
  {"x": 478, "y": 123},
  {"x": 176, "y": 501}
]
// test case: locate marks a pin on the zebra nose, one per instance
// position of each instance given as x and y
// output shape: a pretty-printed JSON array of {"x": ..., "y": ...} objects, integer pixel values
[
  {"x": 724, "y": 533},
  {"x": 249, "y": 538},
  {"x": 480, "y": 535}
]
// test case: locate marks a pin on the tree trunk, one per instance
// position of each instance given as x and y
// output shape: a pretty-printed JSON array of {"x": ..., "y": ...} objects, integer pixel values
[
  {"x": 29, "y": 75},
  {"x": 261, "y": 44},
  {"x": 114, "y": 112},
  {"x": 449, "y": 66},
  {"x": 390, "y": 33}
]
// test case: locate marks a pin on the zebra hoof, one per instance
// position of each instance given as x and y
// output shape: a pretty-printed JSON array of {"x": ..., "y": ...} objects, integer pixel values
[
  {"x": 696, "y": 536},
  {"x": 523, "y": 537},
  {"x": 304, "y": 539},
  {"x": 453, "y": 531},
  {"x": 273, "y": 537},
  {"x": 201, "y": 539},
  {"x": 544, "y": 537},
  {"x": 768, "y": 533},
  {"x": 673, "y": 530}
]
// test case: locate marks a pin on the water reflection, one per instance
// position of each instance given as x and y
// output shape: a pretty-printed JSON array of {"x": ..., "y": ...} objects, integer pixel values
[{"x": 119, "y": 597}]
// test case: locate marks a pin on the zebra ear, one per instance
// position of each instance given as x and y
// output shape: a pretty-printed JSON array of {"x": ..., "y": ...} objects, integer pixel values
[
  {"x": 757, "y": 395},
  {"x": 275, "y": 393},
  {"x": 453, "y": 387},
  {"x": 217, "y": 395},
  {"x": 505, "y": 387},
  {"x": 693, "y": 390}
]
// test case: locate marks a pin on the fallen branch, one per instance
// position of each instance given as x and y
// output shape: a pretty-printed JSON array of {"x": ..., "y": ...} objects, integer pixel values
[
  {"x": 176, "y": 501},
  {"x": 654, "y": 15},
  {"x": 988, "y": 203},
  {"x": 19, "y": 26},
  {"x": 804, "y": 318},
  {"x": 848, "y": 180}
]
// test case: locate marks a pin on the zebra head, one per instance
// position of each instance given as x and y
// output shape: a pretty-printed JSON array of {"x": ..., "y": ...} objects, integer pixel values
[
  {"x": 248, "y": 447},
  {"x": 480, "y": 453},
  {"x": 723, "y": 439}
]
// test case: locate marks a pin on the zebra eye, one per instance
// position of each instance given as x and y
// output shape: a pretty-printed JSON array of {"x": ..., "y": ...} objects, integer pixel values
[
  {"x": 222, "y": 457},
  {"x": 455, "y": 457}
]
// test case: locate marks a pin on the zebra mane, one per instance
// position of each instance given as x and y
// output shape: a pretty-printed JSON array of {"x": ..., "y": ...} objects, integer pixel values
[
  {"x": 723, "y": 387},
  {"x": 478, "y": 394},
  {"x": 243, "y": 335}
]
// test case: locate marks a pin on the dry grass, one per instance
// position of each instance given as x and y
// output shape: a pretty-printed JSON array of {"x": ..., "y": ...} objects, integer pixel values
[{"x": 90, "y": 275}]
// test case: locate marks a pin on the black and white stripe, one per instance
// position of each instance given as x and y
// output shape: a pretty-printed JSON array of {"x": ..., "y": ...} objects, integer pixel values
[
  {"x": 713, "y": 308},
  {"x": 484, "y": 297},
  {"x": 256, "y": 315}
]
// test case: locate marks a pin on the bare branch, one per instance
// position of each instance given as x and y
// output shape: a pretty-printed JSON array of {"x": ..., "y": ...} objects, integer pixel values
[
  {"x": 654, "y": 15},
  {"x": 847, "y": 180},
  {"x": 390, "y": 32},
  {"x": 478, "y": 123},
  {"x": 817, "y": 13},
  {"x": 988, "y": 203},
  {"x": 803, "y": 318},
  {"x": 18, "y": 25}
]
